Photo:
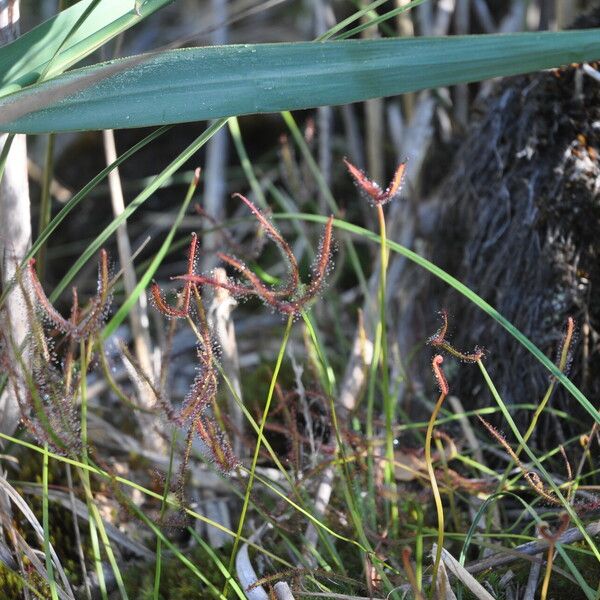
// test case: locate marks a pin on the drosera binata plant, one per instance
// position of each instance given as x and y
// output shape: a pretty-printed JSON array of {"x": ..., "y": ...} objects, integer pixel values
[
  {"x": 194, "y": 412},
  {"x": 55, "y": 409},
  {"x": 49, "y": 410},
  {"x": 378, "y": 197},
  {"x": 290, "y": 298},
  {"x": 439, "y": 341}
]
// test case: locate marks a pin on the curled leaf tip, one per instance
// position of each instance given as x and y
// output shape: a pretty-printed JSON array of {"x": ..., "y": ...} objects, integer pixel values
[{"x": 436, "y": 364}]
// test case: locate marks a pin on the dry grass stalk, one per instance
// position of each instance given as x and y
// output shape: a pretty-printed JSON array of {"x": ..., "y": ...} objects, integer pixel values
[
  {"x": 138, "y": 315},
  {"x": 458, "y": 571},
  {"x": 15, "y": 240}
]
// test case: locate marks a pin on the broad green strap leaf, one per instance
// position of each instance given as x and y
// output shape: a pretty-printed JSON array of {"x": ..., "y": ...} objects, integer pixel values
[
  {"x": 206, "y": 83},
  {"x": 22, "y": 62}
]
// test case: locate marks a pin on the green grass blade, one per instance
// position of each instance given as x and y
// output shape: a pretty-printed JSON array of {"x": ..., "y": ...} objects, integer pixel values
[
  {"x": 235, "y": 586},
  {"x": 378, "y": 20},
  {"x": 98, "y": 559},
  {"x": 568, "y": 508},
  {"x": 195, "y": 84},
  {"x": 259, "y": 441},
  {"x": 238, "y": 141},
  {"x": 45, "y": 49},
  {"x": 589, "y": 592},
  {"x": 163, "y": 508},
  {"x": 336, "y": 29},
  {"x": 151, "y": 270},
  {"x": 135, "y": 204},
  {"x": 70, "y": 33},
  {"x": 46, "y": 526},
  {"x": 467, "y": 293},
  {"x": 181, "y": 557}
]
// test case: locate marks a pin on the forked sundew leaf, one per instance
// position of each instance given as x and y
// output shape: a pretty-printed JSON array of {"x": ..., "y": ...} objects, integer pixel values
[{"x": 205, "y": 83}]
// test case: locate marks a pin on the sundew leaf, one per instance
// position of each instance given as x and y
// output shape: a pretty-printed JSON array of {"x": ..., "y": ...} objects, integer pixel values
[{"x": 195, "y": 84}]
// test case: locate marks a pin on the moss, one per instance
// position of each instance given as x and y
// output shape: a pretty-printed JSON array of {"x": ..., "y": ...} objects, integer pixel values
[
  {"x": 11, "y": 584},
  {"x": 176, "y": 581}
]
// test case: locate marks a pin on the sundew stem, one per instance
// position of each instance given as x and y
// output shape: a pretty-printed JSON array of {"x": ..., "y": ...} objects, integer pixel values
[
  {"x": 434, "y": 486},
  {"x": 388, "y": 401},
  {"x": 436, "y": 492},
  {"x": 85, "y": 476}
]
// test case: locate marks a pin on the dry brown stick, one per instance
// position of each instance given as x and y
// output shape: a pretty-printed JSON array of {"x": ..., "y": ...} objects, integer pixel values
[
  {"x": 565, "y": 13},
  {"x": 484, "y": 16},
  {"x": 223, "y": 329},
  {"x": 57, "y": 190},
  {"x": 245, "y": 571},
  {"x": 283, "y": 591},
  {"x": 454, "y": 568},
  {"x": 531, "y": 549},
  {"x": 405, "y": 28},
  {"x": 138, "y": 315},
  {"x": 443, "y": 16},
  {"x": 425, "y": 18},
  {"x": 215, "y": 186},
  {"x": 532, "y": 580},
  {"x": 322, "y": 12},
  {"x": 524, "y": 551}
]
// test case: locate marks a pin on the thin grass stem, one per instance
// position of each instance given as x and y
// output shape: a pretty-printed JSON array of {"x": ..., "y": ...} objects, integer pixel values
[
  {"x": 46, "y": 526},
  {"x": 540, "y": 467},
  {"x": 45, "y": 201},
  {"x": 252, "y": 471},
  {"x": 163, "y": 508},
  {"x": 388, "y": 400},
  {"x": 238, "y": 141}
]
